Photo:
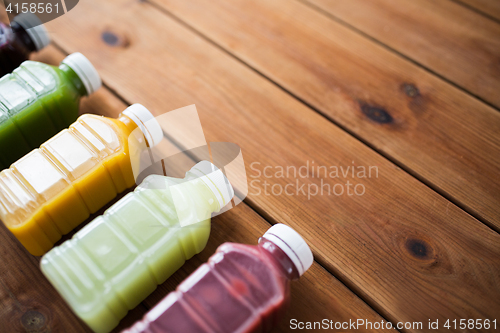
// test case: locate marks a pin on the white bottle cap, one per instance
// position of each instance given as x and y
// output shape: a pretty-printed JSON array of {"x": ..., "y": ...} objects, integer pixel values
[
  {"x": 85, "y": 71},
  {"x": 216, "y": 181},
  {"x": 145, "y": 120},
  {"x": 294, "y": 246},
  {"x": 34, "y": 28}
]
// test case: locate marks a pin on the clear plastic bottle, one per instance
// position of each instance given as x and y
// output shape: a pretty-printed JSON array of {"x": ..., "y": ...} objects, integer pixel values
[
  {"x": 242, "y": 288},
  {"x": 25, "y": 35},
  {"x": 51, "y": 190},
  {"x": 38, "y": 100},
  {"x": 118, "y": 259}
]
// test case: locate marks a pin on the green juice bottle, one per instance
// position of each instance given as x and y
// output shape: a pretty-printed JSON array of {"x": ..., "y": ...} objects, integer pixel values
[
  {"x": 119, "y": 258},
  {"x": 38, "y": 100}
]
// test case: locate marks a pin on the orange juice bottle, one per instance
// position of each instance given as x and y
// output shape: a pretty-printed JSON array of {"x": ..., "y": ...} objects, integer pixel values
[{"x": 51, "y": 190}]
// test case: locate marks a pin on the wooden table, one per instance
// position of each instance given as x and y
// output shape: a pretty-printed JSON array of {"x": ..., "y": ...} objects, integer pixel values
[{"x": 409, "y": 88}]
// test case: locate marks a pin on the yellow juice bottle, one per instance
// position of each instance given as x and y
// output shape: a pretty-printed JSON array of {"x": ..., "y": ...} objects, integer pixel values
[{"x": 51, "y": 190}]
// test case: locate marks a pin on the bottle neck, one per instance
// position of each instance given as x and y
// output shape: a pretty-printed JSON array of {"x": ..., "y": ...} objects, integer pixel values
[
  {"x": 282, "y": 261},
  {"x": 205, "y": 193},
  {"x": 22, "y": 37},
  {"x": 129, "y": 123},
  {"x": 75, "y": 80}
]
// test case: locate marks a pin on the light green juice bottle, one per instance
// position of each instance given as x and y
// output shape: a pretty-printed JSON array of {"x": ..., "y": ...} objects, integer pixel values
[{"x": 119, "y": 258}]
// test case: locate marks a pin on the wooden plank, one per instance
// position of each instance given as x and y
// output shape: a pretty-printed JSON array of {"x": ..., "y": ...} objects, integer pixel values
[
  {"x": 435, "y": 131},
  {"x": 316, "y": 296},
  {"x": 444, "y": 36},
  {"x": 29, "y": 303},
  {"x": 408, "y": 251},
  {"x": 488, "y": 7}
]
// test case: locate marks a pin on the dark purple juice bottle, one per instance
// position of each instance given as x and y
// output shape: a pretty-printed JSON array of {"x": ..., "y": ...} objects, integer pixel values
[
  {"x": 25, "y": 35},
  {"x": 242, "y": 288}
]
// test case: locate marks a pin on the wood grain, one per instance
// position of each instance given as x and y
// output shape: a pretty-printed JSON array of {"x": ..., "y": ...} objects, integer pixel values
[
  {"x": 488, "y": 7},
  {"x": 432, "y": 129},
  {"x": 29, "y": 303},
  {"x": 408, "y": 251},
  {"x": 444, "y": 36},
  {"x": 316, "y": 296}
]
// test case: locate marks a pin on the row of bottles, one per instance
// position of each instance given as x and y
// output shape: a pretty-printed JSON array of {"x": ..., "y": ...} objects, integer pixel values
[
  {"x": 62, "y": 169},
  {"x": 51, "y": 190}
]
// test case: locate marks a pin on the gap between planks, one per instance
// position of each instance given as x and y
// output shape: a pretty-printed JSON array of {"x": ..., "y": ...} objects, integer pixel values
[
  {"x": 393, "y": 160},
  {"x": 393, "y": 50},
  {"x": 477, "y": 10}
]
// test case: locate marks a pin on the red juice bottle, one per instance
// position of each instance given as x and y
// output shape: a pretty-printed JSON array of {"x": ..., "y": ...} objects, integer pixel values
[
  {"x": 25, "y": 35},
  {"x": 242, "y": 288}
]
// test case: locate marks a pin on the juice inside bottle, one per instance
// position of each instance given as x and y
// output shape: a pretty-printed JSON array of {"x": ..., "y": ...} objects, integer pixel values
[
  {"x": 242, "y": 288},
  {"x": 25, "y": 35},
  {"x": 38, "y": 100},
  {"x": 51, "y": 190},
  {"x": 118, "y": 259}
]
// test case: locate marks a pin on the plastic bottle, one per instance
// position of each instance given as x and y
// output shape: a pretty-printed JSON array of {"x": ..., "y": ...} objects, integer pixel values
[
  {"x": 51, "y": 190},
  {"x": 242, "y": 288},
  {"x": 118, "y": 259},
  {"x": 39, "y": 100},
  {"x": 25, "y": 35}
]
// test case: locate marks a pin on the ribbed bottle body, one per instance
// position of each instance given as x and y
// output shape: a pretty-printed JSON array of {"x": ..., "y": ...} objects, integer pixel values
[
  {"x": 36, "y": 102},
  {"x": 119, "y": 258},
  {"x": 240, "y": 289},
  {"x": 51, "y": 190}
]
